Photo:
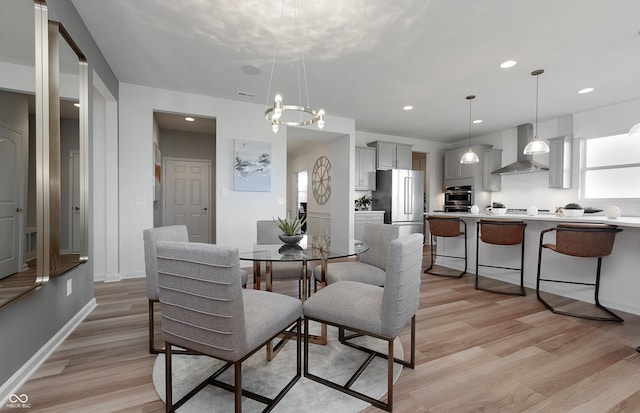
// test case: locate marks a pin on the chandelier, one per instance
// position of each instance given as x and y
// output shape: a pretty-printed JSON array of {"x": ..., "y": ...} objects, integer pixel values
[{"x": 292, "y": 115}]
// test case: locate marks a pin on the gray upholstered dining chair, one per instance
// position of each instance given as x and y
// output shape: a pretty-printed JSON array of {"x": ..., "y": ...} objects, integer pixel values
[
  {"x": 370, "y": 310},
  {"x": 370, "y": 268},
  {"x": 205, "y": 309},
  {"x": 151, "y": 237},
  {"x": 267, "y": 233}
]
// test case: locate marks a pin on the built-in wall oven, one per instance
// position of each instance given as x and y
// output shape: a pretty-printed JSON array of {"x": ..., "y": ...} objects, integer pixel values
[{"x": 458, "y": 198}]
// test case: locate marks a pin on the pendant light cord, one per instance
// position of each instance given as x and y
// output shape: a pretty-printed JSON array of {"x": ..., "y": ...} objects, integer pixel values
[{"x": 537, "y": 82}]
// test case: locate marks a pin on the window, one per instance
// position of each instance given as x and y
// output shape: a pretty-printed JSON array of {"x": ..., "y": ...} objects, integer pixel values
[{"x": 611, "y": 167}]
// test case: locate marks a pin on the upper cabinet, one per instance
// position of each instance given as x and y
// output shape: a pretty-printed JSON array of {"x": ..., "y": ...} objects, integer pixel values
[
  {"x": 560, "y": 162},
  {"x": 491, "y": 160},
  {"x": 365, "y": 169},
  {"x": 453, "y": 169},
  {"x": 478, "y": 174},
  {"x": 391, "y": 155}
]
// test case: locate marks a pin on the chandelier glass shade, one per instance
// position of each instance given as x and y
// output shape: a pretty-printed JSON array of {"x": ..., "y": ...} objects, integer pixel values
[
  {"x": 292, "y": 115},
  {"x": 536, "y": 146},
  {"x": 470, "y": 156}
]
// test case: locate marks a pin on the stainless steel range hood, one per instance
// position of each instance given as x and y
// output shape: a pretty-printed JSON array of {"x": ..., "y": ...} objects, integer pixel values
[{"x": 524, "y": 164}]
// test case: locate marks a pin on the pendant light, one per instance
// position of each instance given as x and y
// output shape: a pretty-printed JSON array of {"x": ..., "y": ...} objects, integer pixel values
[
  {"x": 470, "y": 156},
  {"x": 536, "y": 146}
]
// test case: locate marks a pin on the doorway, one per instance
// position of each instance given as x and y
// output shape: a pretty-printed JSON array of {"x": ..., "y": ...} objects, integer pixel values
[
  {"x": 189, "y": 142},
  {"x": 301, "y": 197},
  {"x": 420, "y": 162}
]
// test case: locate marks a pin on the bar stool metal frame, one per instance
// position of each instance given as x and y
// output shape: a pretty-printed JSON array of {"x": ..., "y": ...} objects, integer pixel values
[
  {"x": 492, "y": 231},
  {"x": 569, "y": 235},
  {"x": 446, "y": 227}
]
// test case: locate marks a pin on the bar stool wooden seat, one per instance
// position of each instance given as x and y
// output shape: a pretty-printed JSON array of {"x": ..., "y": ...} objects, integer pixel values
[
  {"x": 580, "y": 240},
  {"x": 446, "y": 227},
  {"x": 501, "y": 232}
]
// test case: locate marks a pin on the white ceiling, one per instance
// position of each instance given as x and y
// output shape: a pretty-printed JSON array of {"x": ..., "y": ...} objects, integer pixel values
[{"x": 365, "y": 59}]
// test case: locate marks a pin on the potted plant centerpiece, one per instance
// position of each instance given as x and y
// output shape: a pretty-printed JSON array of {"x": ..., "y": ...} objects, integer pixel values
[
  {"x": 498, "y": 208},
  {"x": 363, "y": 203},
  {"x": 572, "y": 210},
  {"x": 290, "y": 228}
]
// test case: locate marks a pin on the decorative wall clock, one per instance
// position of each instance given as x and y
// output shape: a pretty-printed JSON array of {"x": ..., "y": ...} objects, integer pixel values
[{"x": 321, "y": 180}]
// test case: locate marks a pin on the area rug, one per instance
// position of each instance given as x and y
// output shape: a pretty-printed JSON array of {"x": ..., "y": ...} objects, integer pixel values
[{"x": 334, "y": 361}]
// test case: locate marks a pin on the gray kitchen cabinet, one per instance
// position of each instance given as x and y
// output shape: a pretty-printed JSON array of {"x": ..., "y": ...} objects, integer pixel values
[
  {"x": 365, "y": 169},
  {"x": 453, "y": 169},
  {"x": 391, "y": 155},
  {"x": 364, "y": 217},
  {"x": 560, "y": 161},
  {"x": 491, "y": 160}
]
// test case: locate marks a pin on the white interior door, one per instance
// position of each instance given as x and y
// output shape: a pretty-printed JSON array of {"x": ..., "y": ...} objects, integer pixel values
[
  {"x": 11, "y": 208},
  {"x": 74, "y": 221},
  {"x": 186, "y": 196}
]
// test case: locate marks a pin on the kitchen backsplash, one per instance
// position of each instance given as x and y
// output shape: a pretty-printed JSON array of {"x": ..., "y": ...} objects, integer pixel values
[{"x": 523, "y": 190}]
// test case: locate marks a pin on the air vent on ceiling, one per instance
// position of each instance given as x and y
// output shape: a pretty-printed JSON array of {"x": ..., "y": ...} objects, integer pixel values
[{"x": 246, "y": 94}]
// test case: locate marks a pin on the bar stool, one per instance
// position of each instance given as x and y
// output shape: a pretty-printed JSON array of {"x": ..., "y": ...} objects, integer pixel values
[
  {"x": 580, "y": 240},
  {"x": 501, "y": 232},
  {"x": 447, "y": 227}
]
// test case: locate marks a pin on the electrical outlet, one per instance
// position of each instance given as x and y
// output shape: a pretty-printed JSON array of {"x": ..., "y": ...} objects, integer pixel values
[{"x": 69, "y": 287}]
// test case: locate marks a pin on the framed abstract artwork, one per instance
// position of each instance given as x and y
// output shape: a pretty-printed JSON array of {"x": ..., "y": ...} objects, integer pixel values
[{"x": 252, "y": 166}]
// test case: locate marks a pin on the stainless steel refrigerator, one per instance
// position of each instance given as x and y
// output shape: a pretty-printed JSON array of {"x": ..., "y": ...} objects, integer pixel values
[{"x": 400, "y": 194}]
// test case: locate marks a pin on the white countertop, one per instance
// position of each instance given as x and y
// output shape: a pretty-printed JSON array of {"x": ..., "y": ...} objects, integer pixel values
[{"x": 551, "y": 217}]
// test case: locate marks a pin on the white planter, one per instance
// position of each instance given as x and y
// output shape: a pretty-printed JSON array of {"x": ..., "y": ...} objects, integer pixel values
[
  {"x": 498, "y": 211},
  {"x": 572, "y": 212}
]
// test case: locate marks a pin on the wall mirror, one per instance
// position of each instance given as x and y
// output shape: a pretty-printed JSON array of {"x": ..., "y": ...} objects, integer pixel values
[
  {"x": 23, "y": 134},
  {"x": 68, "y": 134}
]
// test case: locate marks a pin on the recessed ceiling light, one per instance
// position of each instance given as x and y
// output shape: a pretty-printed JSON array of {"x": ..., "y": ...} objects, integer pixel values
[
  {"x": 585, "y": 90},
  {"x": 507, "y": 64},
  {"x": 251, "y": 70},
  {"x": 76, "y": 105},
  {"x": 408, "y": 107},
  {"x": 189, "y": 119},
  {"x": 477, "y": 121}
]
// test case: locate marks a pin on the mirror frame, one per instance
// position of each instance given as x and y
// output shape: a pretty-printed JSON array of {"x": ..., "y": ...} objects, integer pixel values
[
  {"x": 56, "y": 28},
  {"x": 41, "y": 128}
]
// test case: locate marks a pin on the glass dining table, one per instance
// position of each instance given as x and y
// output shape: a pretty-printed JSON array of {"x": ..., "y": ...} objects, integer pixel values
[{"x": 320, "y": 248}]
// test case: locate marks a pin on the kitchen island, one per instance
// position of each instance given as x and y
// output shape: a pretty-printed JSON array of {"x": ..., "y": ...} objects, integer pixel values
[{"x": 620, "y": 282}]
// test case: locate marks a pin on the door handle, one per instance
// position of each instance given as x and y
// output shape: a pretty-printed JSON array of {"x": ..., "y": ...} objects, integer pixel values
[
  {"x": 204, "y": 209},
  {"x": 77, "y": 208},
  {"x": 19, "y": 209}
]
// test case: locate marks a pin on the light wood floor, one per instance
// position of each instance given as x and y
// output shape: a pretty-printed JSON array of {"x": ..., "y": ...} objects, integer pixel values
[{"x": 476, "y": 352}]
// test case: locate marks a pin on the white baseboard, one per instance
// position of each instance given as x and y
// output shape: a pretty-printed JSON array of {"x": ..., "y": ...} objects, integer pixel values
[
  {"x": 12, "y": 385},
  {"x": 127, "y": 276}
]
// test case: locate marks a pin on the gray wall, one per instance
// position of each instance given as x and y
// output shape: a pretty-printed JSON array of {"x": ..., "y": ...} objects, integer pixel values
[{"x": 28, "y": 324}]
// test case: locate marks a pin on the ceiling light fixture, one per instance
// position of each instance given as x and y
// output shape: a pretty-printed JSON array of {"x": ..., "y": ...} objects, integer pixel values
[
  {"x": 408, "y": 107},
  {"x": 276, "y": 114},
  {"x": 508, "y": 64},
  {"x": 470, "y": 156},
  {"x": 536, "y": 146},
  {"x": 585, "y": 90},
  {"x": 189, "y": 119},
  {"x": 477, "y": 121}
]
